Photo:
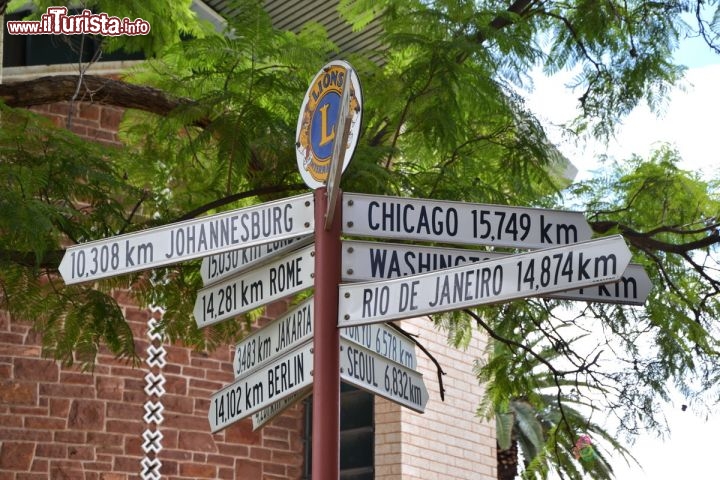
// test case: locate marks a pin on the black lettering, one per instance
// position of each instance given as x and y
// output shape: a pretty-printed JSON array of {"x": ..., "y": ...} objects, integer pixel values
[
  {"x": 582, "y": 267},
  {"x": 129, "y": 252},
  {"x": 544, "y": 229}
]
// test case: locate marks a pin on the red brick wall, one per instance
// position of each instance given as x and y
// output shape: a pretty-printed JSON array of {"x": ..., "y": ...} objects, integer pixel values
[
  {"x": 61, "y": 423},
  {"x": 92, "y": 121}
]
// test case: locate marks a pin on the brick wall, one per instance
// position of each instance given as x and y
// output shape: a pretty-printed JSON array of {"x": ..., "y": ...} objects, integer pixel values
[
  {"x": 60, "y": 423},
  {"x": 92, "y": 121},
  {"x": 448, "y": 441}
]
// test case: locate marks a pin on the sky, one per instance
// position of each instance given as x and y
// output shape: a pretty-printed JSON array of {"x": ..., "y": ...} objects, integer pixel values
[{"x": 687, "y": 123}]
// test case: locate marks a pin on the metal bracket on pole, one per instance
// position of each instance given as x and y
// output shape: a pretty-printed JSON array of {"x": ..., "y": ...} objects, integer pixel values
[{"x": 342, "y": 130}]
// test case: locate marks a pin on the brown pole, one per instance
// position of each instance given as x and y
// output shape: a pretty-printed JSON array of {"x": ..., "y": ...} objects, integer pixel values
[{"x": 326, "y": 360}]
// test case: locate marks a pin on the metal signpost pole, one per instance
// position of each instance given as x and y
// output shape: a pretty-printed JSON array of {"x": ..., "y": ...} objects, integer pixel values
[
  {"x": 323, "y": 146},
  {"x": 326, "y": 378}
]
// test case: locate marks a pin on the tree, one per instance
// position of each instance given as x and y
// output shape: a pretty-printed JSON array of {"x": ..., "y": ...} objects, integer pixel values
[
  {"x": 544, "y": 415},
  {"x": 211, "y": 126}
]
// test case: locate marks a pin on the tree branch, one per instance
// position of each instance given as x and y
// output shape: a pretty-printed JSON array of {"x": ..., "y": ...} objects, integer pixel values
[
  {"x": 50, "y": 259},
  {"x": 518, "y": 7},
  {"x": 556, "y": 374},
  {"x": 440, "y": 371},
  {"x": 239, "y": 196},
  {"x": 645, "y": 241},
  {"x": 105, "y": 91}
]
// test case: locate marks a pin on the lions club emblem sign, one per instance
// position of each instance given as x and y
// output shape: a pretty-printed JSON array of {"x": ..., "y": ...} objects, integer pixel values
[{"x": 316, "y": 129}]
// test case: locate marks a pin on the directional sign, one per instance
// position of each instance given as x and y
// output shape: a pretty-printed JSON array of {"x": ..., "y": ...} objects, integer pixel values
[
  {"x": 364, "y": 261},
  {"x": 177, "y": 242},
  {"x": 383, "y": 340},
  {"x": 459, "y": 222},
  {"x": 633, "y": 288},
  {"x": 256, "y": 287},
  {"x": 227, "y": 264},
  {"x": 530, "y": 274},
  {"x": 369, "y": 371},
  {"x": 274, "y": 339},
  {"x": 268, "y": 413},
  {"x": 262, "y": 388}
]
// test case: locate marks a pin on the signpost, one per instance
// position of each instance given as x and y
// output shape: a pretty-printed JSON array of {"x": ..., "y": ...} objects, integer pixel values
[
  {"x": 460, "y": 222},
  {"x": 261, "y": 388},
  {"x": 363, "y": 261},
  {"x": 369, "y": 371},
  {"x": 227, "y": 264},
  {"x": 182, "y": 241},
  {"x": 295, "y": 327},
  {"x": 256, "y": 287},
  {"x": 530, "y": 274},
  {"x": 321, "y": 147},
  {"x": 243, "y": 269}
]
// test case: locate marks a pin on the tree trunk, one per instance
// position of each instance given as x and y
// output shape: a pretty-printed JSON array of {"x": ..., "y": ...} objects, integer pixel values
[{"x": 507, "y": 461}]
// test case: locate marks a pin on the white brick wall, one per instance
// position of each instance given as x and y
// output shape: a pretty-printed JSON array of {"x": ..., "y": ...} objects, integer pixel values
[{"x": 448, "y": 441}]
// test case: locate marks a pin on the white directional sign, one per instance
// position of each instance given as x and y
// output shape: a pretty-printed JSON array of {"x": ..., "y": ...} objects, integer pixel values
[
  {"x": 223, "y": 265},
  {"x": 363, "y": 261},
  {"x": 369, "y": 371},
  {"x": 633, "y": 288},
  {"x": 181, "y": 241},
  {"x": 530, "y": 274},
  {"x": 274, "y": 339},
  {"x": 262, "y": 388},
  {"x": 383, "y": 340},
  {"x": 459, "y": 222},
  {"x": 268, "y": 413},
  {"x": 256, "y": 287}
]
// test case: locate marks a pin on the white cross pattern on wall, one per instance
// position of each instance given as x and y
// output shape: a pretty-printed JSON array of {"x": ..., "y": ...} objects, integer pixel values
[
  {"x": 154, "y": 386},
  {"x": 152, "y": 441},
  {"x": 150, "y": 468},
  {"x": 153, "y": 331},
  {"x": 153, "y": 412},
  {"x": 156, "y": 356}
]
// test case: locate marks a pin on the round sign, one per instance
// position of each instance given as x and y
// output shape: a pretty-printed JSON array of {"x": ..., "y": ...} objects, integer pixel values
[{"x": 316, "y": 128}]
